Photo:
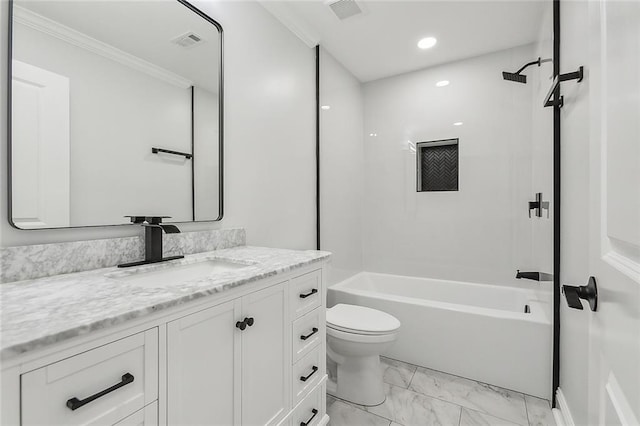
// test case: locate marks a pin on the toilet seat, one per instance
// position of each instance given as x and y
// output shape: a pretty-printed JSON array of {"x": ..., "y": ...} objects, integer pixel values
[
  {"x": 360, "y": 320},
  {"x": 360, "y": 338}
]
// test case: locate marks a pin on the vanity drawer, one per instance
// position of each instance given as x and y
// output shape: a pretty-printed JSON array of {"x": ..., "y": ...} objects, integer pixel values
[
  {"x": 306, "y": 291},
  {"x": 308, "y": 331},
  {"x": 307, "y": 373},
  {"x": 148, "y": 416},
  {"x": 103, "y": 385},
  {"x": 311, "y": 410}
]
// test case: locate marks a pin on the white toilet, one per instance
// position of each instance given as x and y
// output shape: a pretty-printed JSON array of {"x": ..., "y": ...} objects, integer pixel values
[{"x": 356, "y": 336}]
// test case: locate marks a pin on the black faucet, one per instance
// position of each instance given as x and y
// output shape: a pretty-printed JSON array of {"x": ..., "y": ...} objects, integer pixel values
[
  {"x": 535, "y": 276},
  {"x": 153, "y": 228}
]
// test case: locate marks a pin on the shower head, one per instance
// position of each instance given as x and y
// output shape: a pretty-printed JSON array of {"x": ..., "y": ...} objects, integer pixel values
[
  {"x": 519, "y": 78},
  {"x": 512, "y": 76}
]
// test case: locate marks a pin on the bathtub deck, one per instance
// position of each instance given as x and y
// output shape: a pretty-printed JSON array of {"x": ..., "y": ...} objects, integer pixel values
[{"x": 419, "y": 396}]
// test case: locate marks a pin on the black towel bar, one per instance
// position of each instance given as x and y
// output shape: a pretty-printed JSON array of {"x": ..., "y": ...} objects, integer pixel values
[{"x": 168, "y": 151}]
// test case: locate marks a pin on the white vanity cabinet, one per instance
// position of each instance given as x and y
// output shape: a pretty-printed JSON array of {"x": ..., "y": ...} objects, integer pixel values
[
  {"x": 147, "y": 416},
  {"x": 100, "y": 386},
  {"x": 266, "y": 356},
  {"x": 203, "y": 367},
  {"x": 229, "y": 364},
  {"x": 252, "y": 355}
]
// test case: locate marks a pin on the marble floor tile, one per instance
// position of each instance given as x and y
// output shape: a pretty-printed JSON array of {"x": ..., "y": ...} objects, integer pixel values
[
  {"x": 333, "y": 398},
  {"x": 539, "y": 411},
  {"x": 498, "y": 402},
  {"x": 330, "y": 400},
  {"x": 476, "y": 418},
  {"x": 410, "y": 408},
  {"x": 397, "y": 372},
  {"x": 342, "y": 414}
]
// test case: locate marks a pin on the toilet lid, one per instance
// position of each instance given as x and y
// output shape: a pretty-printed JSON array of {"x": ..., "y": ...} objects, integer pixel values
[{"x": 361, "y": 320}]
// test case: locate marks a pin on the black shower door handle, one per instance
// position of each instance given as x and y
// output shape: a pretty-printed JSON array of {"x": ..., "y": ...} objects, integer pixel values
[{"x": 587, "y": 292}]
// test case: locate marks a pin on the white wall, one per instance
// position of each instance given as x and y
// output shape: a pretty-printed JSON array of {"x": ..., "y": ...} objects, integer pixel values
[
  {"x": 574, "y": 333},
  {"x": 205, "y": 148},
  {"x": 269, "y": 135},
  {"x": 482, "y": 232},
  {"x": 341, "y": 167}
]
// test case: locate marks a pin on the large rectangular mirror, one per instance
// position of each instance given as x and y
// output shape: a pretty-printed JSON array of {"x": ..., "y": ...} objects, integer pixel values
[{"x": 115, "y": 109}]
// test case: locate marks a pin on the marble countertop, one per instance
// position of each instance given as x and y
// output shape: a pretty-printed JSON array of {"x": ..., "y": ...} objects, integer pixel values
[{"x": 44, "y": 311}]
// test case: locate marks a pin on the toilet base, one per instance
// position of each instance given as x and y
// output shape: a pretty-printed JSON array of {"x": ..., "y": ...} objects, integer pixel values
[{"x": 359, "y": 381}]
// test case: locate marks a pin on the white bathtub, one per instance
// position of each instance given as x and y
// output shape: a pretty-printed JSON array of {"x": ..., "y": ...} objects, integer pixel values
[{"x": 471, "y": 330}]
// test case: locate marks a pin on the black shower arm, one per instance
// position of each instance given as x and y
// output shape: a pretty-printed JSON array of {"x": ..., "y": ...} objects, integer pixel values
[{"x": 536, "y": 62}]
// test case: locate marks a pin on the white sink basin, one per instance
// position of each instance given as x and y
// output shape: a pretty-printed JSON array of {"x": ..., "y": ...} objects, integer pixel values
[{"x": 166, "y": 276}]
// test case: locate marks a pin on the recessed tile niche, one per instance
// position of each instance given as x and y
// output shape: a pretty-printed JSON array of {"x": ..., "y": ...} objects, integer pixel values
[{"x": 437, "y": 165}]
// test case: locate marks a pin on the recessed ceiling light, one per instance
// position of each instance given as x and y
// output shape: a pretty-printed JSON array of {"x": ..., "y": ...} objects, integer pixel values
[
  {"x": 373, "y": 134},
  {"x": 427, "y": 42},
  {"x": 325, "y": 107},
  {"x": 442, "y": 83},
  {"x": 458, "y": 123}
]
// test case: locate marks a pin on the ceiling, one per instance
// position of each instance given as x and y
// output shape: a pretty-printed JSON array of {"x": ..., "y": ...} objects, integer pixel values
[{"x": 382, "y": 41}]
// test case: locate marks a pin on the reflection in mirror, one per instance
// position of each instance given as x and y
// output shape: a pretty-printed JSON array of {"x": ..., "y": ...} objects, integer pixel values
[{"x": 115, "y": 111}]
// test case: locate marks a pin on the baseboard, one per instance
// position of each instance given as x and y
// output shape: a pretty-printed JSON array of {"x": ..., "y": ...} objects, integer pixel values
[
  {"x": 557, "y": 417},
  {"x": 324, "y": 421},
  {"x": 562, "y": 408}
]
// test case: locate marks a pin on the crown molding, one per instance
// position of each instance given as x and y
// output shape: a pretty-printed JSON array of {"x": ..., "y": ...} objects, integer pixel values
[
  {"x": 282, "y": 12},
  {"x": 62, "y": 32}
]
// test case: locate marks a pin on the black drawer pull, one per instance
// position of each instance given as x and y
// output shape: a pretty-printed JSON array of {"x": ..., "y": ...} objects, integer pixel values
[
  {"x": 314, "y": 411},
  {"x": 313, "y": 371},
  {"x": 74, "y": 403},
  {"x": 314, "y": 330},
  {"x": 312, "y": 292}
]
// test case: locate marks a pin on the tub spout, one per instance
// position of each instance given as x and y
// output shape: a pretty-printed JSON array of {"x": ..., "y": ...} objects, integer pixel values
[{"x": 535, "y": 276}]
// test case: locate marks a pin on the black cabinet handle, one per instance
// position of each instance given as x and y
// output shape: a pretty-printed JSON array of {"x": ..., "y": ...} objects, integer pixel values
[
  {"x": 313, "y": 371},
  {"x": 244, "y": 323},
  {"x": 314, "y": 411},
  {"x": 313, "y": 291},
  {"x": 241, "y": 325},
  {"x": 74, "y": 403},
  {"x": 314, "y": 330}
]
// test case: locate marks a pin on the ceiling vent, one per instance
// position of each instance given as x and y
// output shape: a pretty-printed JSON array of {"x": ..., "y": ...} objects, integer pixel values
[
  {"x": 188, "y": 40},
  {"x": 345, "y": 8}
]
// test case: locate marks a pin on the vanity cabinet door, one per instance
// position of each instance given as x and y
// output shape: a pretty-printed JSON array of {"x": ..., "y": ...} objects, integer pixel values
[
  {"x": 203, "y": 367},
  {"x": 266, "y": 356}
]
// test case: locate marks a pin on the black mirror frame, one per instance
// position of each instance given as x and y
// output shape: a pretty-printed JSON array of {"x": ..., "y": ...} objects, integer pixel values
[{"x": 220, "y": 125}]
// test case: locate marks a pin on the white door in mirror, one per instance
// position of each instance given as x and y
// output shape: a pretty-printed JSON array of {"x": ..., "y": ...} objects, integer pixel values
[{"x": 40, "y": 162}]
